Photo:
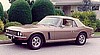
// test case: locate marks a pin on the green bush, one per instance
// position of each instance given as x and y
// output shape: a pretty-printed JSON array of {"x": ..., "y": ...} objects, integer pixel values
[
  {"x": 88, "y": 18},
  {"x": 1, "y": 12},
  {"x": 59, "y": 12},
  {"x": 5, "y": 17},
  {"x": 98, "y": 25},
  {"x": 12, "y": 24},
  {"x": 20, "y": 12},
  {"x": 42, "y": 8},
  {"x": 34, "y": 23},
  {"x": 1, "y": 26}
]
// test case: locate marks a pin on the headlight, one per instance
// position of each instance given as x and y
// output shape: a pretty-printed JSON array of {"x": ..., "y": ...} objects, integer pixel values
[
  {"x": 19, "y": 34},
  {"x": 7, "y": 30}
]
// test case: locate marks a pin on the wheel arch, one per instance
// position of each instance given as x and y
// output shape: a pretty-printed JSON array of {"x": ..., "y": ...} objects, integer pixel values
[{"x": 85, "y": 33}]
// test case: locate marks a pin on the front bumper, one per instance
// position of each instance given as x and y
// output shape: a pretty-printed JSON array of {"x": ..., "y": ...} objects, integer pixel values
[
  {"x": 92, "y": 35},
  {"x": 16, "y": 37}
]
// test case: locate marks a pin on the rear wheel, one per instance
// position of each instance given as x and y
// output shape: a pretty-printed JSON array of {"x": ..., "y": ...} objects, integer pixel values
[
  {"x": 81, "y": 39},
  {"x": 35, "y": 42}
]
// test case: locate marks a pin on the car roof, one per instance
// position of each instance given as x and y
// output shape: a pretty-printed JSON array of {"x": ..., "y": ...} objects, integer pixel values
[{"x": 63, "y": 17}]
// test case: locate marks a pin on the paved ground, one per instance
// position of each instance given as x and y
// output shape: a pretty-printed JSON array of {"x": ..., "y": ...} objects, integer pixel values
[{"x": 92, "y": 47}]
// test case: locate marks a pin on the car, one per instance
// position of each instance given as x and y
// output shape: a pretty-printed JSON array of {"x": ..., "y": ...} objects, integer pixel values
[{"x": 50, "y": 29}]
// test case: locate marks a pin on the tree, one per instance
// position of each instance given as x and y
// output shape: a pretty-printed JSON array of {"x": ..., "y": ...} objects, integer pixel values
[
  {"x": 1, "y": 12},
  {"x": 5, "y": 17},
  {"x": 11, "y": 1},
  {"x": 88, "y": 18},
  {"x": 29, "y": 1},
  {"x": 1, "y": 26},
  {"x": 20, "y": 11},
  {"x": 86, "y": 6},
  {"x": 42, "y": 8},
  {"x": 98, "y": 25},
  {"x": 59, "y": 12}
]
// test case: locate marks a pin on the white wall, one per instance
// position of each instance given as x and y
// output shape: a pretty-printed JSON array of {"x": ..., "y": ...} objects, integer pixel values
[
  {"x": 64, "y": 0},
  {"x": 97, "y": 14},
  {"x": 96, "y": 0},
  {"x": 71, "y": 0},
  {"x": 74, "y": 8}
]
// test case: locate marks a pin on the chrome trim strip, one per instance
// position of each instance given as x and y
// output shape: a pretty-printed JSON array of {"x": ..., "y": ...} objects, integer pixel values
[
  {"x": 14, "y": 35},
  {"x": 59, "y": 40}
]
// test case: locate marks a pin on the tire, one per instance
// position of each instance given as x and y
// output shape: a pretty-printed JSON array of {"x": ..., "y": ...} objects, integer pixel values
[
  {"x": 35, "y": 42},
  {"x": 16, "y": 42},
  {"x": 81, "y": 39}
]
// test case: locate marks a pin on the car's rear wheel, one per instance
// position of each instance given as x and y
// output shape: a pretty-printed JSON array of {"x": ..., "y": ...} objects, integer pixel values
[
  {"x": 16, "y": 42},
  {"x": 35, "y": 42},
  {"x": 81, "y": 39}
]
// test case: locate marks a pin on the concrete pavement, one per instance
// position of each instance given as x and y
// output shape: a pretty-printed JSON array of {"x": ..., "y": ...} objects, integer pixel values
[{"x": 92, "y": 47}]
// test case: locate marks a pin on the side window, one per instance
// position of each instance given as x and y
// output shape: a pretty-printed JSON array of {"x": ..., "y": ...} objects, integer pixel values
[{"x": 67, "y": 23}]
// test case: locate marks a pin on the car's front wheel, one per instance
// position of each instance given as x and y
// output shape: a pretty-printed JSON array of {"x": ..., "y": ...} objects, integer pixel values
[
  {"x": 81, "y": 39},
  {"x": 35, "y": 42}
]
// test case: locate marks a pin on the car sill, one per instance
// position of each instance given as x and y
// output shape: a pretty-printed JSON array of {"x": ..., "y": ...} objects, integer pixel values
[{"x": 60, "y": 40}]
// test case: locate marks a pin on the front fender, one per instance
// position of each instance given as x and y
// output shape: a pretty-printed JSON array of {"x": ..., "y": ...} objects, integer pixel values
[{"x": 45, "y": 34}]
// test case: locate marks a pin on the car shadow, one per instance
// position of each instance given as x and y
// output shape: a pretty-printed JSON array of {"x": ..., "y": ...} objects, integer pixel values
[
  {"x": 54, "y": 44},
  {"x": 63, "y": 43},
  {"x": 47, "y": 45}
]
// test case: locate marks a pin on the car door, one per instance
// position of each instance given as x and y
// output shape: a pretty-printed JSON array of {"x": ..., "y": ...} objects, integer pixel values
[{"x": 66, "y": 32}]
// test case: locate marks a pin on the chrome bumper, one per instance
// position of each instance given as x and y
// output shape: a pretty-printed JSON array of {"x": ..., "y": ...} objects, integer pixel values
[
  {"x": 14, "y": 36},
  {"x": 92, "y": 35}
]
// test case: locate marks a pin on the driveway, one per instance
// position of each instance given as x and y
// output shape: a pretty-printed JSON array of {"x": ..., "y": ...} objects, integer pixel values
[{"x": 92, "y": 47}]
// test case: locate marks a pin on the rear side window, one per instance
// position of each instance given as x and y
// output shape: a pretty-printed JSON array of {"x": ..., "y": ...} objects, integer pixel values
[{"x": 69, "y": 23}]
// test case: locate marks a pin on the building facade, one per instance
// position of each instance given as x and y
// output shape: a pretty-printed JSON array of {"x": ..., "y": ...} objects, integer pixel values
[{"x": 69, "y": 6}]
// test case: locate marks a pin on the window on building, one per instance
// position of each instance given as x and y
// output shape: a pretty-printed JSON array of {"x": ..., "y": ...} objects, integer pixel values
[
  {"x": 95, "y": 7},
  {"x": 57, "y": 7}
]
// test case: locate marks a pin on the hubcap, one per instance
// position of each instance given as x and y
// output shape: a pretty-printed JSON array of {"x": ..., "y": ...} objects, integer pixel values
[
  {"x": 36, "y": 41},
  {"x": 82, "y": 39}
]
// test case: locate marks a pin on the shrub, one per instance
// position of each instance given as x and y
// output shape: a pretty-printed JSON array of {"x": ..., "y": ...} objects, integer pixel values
[
  {"x": 20, "y": 12},
  {"x": 1, "y": 26},
  {"x": 34, "y": 23},
  {"x": 5, "y": 17},
  {"x": 42, "y": 8},
  {"x": 12, "y": 24},
  {"x": 1, "y": 12},
  {"x": 59, "y": 12},
  {"x": 88, "y": 18},
  {"x": 98, "y": 25}
]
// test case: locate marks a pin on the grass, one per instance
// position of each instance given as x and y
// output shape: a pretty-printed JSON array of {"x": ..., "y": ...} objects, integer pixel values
[
  {"x": 3, "y": 37},
  {"x": 97, "y": 34}
]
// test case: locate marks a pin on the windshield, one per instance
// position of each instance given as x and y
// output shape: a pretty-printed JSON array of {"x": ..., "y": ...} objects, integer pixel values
[{"x": 49, "y": 21}]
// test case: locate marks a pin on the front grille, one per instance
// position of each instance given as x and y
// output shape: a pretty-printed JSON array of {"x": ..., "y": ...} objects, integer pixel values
[{"x": 12, "y": 32}]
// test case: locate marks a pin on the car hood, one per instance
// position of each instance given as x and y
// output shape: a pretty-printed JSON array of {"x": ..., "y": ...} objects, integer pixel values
[{"x": 29, "y": 28}]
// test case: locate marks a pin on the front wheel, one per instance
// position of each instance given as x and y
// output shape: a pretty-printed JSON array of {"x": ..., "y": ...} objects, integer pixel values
[
  {"x": 35, "y": 42},
  {"x": 81, "y": 39}
]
